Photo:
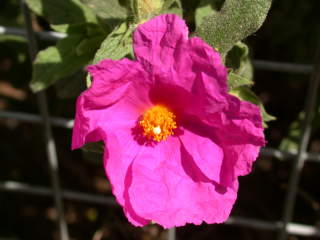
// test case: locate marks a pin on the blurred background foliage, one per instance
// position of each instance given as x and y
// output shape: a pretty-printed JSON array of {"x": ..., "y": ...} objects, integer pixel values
[{"x": 99, "y": 29}]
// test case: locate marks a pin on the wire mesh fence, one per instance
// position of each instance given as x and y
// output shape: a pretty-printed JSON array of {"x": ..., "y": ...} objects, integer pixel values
[{"x": 284, "y": 226}]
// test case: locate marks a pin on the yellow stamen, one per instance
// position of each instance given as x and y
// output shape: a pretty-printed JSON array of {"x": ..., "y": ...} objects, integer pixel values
[{"x": 158, "y": 123}]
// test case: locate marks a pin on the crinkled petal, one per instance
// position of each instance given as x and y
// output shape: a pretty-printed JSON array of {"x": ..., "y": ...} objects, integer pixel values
[
  {"x": 168, "y": 188},
  {"x": 177, "y": 99},
  {"x": 110, "y": 80},
  {"x": 205, "y": 77},
  {"x": 119, "y": 92},
  {"x": 239, "y": 132},
  {"x": 162, "y": 47},
  {"x": 196, "y": 57},
  {"x": 109, "y": 111},
  {"x": 206, "y": 154},
  {"x": 192, "y": 176},
  {"x": 120, "y": 151},
  {"x": 155, "y": 41}
]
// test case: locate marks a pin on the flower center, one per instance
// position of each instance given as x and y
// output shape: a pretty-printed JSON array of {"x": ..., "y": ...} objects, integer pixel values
[{"x": 158, "y": 123}]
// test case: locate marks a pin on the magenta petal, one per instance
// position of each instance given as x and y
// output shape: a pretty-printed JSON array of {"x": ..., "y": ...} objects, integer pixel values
[
  {"x": 240, "y": 134},
  {"x": 119, "y": 92},
  {"x": 247, "y": 123},
  {"x": 206, "y": 154},
  {"x": 109, "y": 111},
  {"x": 155, "y": 40},
  {"x": 97, "y": 111},
  {"x": 206, "y": 77},
  {"x": 199, "y": 58},
  {"x": 111, "y": 80},
  {"x": 192, "y": 176},
  {"x": 121, "y": 150},
  {"x": 167, "y": 191}
]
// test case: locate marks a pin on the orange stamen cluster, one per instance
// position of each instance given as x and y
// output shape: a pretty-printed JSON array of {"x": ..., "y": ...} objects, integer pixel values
[{"x": 158, "y": 123}]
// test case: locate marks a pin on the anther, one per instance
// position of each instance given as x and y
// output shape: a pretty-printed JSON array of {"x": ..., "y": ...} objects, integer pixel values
[{"x": 158, "y": 123}]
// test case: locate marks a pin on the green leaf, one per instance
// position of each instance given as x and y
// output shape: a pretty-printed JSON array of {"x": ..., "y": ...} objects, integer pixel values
[
  {"x": 107, "y": 9},
  {"x": 60, "y": 61},
  {"x": 172, "y": 7},
  {"x": 238, "y": 57},
  {"x": 86, "y": 45},
  {"x": 62, "y": 11},
  {"x": 117, "y": 45},
  {"x": 246, "y": 94},
  {"x": 110, "y": 13},
  {"x": 13, "y": 38},
  {"x": 72, "y": 85},
  {"x": 239, "y": 66},
  {"x": 62, "y": 28},
  {"x": 166, "y": 4},
  {"x": 70, "y": 28},
  {"x": 205, "y": 8},
  {"x": 236, "y": 80},
  {"x": 236, "y": 20},
  {"x": 291, "y": 142}
]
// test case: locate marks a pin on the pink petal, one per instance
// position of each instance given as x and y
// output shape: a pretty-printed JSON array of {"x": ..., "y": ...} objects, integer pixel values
[
  {"x": 206, "y": 154},
  {"x": 163, "y": 48},
  {"x": 120, "y": 151},
  {"x": 191, "y": 177},
  {"x": 197, "y": 57},
  {"x": 167, "y": 188},
  {"x": 177, "y": 99},
  {"x": 201, "y": 71},
  {"x": 155, "y": 40},
  {"x": 111, "y": 80},
  {"x": 119, "y": 93},
  {"x": 240, "y": 135}
]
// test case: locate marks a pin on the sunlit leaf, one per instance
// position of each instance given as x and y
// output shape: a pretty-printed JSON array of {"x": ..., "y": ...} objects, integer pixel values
[
  {"x": 236, "y": 20},
  {"x": 62, "y": 11}
]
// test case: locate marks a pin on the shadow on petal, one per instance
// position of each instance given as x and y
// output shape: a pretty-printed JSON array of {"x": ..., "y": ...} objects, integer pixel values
[
  {"x": 129, "y": 211},
  {"x": 196, "y": 126},
  {"x": 193, "y": 171}
]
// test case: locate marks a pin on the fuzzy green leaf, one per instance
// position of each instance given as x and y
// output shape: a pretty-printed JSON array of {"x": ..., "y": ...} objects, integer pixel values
[
  {"x": 205, "y": 8},
  {"x": 62, "y": 11},
  {"x": 238, "y": 60},
  {"x": 239, "y": 65},
  {"x": 117, "y": 45},
  {"x": 236, "y": 80},
  {"x": 236, "y": 20}
]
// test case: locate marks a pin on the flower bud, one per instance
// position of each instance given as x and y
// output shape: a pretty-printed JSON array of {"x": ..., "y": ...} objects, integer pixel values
[{"x": 146, "y": 9}]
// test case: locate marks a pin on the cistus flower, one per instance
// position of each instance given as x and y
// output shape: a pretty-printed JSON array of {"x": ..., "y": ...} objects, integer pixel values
[{"x": 175, "y": 140}]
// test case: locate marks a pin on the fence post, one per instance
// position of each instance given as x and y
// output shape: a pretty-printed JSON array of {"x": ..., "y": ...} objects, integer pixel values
[
  {"x": 172, "y": 234},
  {"x": 302, "y": 151},
  {"x": 50, "y": 144}
]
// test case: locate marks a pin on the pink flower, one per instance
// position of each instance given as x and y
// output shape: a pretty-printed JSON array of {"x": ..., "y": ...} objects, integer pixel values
[{"x": 175, "y": 140}]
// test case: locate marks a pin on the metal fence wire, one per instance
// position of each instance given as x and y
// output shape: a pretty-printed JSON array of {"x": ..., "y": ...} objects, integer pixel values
[{"x": 283, "y": 227}]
